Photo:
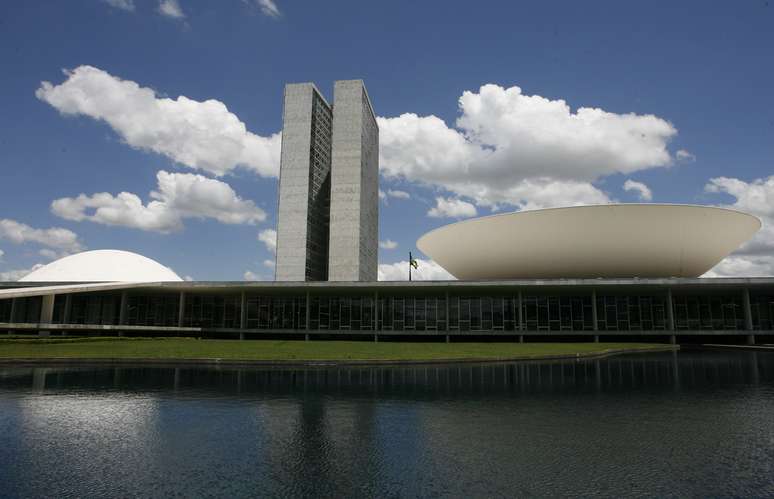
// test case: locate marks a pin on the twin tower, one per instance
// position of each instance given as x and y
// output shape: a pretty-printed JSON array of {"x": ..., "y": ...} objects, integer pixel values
[{"x": 328, "y": 216}]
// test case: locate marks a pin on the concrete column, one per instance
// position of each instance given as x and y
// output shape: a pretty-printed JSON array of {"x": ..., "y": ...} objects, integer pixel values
[
  {"x": 122, "y": 309},
  {"x": 448, "y": 339},
  {"x": 594, "y": 313},
  {"x": 521, "y": 319},
  {"x": 12, "y": 318},
  {"x": 748, "y": 324},
  {"x": 14, "y": 307},
  {"x": 308, "y": 312},
  {"x": 748, "y": 316},
  {"x": 596, "y": 338},
  {"x": 46, "y": 312},
  {"x": 672, "y": 339},
  {"x": 376, "y": 338},
  {"x": 243, "y": 315},
  {"x": 67, "y": 309},
  {"x": 376, "y": 310},
  {"x": 521, "y": 338},
  {"x": 181, "y": 310},
  {"x": 670, "y": 311},
  {"x": 122, "y": 312},
  {"x": 448, "y": 319}
]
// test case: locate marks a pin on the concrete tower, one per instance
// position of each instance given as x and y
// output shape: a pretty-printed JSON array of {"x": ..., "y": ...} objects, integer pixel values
[
  {"x": 304, "y": 185},
  {"x": 328, "y": 215},
  {"x": 354, "y": 213}
]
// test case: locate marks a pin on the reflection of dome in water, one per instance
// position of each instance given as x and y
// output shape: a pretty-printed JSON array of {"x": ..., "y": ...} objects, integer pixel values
[
  {"x": 103, "y": 266},
  {"x": 616, "y": 240}
]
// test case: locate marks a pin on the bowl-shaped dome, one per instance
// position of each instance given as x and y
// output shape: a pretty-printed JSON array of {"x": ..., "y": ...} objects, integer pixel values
[
  {"x": 103, "y": 266},
  {"x": 616, "y": 240}
]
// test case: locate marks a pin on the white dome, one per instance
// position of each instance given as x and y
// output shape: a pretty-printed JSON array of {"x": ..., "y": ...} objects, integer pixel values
[{"x": 103, "y": 266}]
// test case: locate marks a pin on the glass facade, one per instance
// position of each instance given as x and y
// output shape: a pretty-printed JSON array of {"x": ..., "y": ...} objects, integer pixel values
[
  {"x": 631, "y": 313},
  {"x": 318, "y": 212},
  {"x": 431, "y": 311},
  {"x": 708, "y": 312},
  {"x": 762, "y": 308}
]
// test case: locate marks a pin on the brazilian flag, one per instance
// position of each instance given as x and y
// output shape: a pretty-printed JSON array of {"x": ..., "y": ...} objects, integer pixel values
[{"x": 413, "y": 262}]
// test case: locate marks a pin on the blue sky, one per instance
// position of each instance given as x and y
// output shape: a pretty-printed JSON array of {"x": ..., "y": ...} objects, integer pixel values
[{"x": 678, "y": 99}]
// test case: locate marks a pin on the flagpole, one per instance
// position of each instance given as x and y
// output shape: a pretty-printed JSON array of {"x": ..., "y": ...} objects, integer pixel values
[{"x": 410, "y": 260}]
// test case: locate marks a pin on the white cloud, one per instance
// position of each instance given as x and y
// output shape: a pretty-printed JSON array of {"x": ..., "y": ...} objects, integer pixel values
[
  {"x": 643, "y": 191},
  {"x": 389, "y": 244},
  {"x": 179, "y": 196},
  {"x": 684, "y": 155},
  {"x": 269, "y": 238},
  {"x": 188, "y": 278},
  {"x": 743, "y": 266},
  {"x": 505, "y": 140},
  {"x": 393, "y": 193},
  {"x": 427, "y": 270},
  {"x": 269, "y": 264},
  {"x": 201, "y": 135},
  {"x": 127, "y": 5},
  {"x": 755, "y": 258},
  {"x": 171, "y": 8},
  {"x": 269, "y": 8},
  {"x": 63, "y": 240},
  {"x": 249, "y": 275},
  {"x": 50, "y": 254},
  {"x": 1, "y": 255},
  {"x": 452, "y": 208},
  {"x": 15, "y": 275},
  {"x": 398, "y": 194}
]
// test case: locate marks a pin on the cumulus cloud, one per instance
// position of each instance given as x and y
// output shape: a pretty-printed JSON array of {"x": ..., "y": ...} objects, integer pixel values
[
  {"x": 1, "y": 255},
  {"x": 452, "y": 208},
  {"x": 179, "y": 196},
  {"x": 683, "y": 155},
  {"x": 64, "y": 241},
  {"x": 269, "y": 238},
  {"x": 389, "y": 244},
  {"x": 755, "y": 258},
  {"x": 171, "y": 8},
  {"x": 269, "y": 263},
  {"x": 427, "y": 270},
  {"x": 201, "y": 135},
  {"x": 15, "y": 275},
  {"x": 504, "y": 139},
  {"x": 398, "y": 194},
  {"x": 393, "y": 193},
  {"x": 249, "y": 275},
  {"x": 269, "y": 8},
  {"x": 127, "y": 5},
  {"x": 643, "y": 191}
]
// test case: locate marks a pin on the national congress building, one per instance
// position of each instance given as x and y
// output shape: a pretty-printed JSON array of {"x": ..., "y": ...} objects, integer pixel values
[{"x": 622, "y": 271}]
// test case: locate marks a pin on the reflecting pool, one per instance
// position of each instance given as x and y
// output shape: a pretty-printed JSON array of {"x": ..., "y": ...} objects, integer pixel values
[{"x": 671, "y": 424}]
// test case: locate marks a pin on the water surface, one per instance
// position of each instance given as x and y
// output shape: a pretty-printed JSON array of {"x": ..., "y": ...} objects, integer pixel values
[{"x": 687, "y": 424}]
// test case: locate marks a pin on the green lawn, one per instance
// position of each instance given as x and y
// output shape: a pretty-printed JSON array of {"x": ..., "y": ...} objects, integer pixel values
[{"x": 188, "y": 348}]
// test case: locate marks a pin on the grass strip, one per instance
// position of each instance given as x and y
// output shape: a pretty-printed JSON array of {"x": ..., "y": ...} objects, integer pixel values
[{"x": 283, "y": 350}]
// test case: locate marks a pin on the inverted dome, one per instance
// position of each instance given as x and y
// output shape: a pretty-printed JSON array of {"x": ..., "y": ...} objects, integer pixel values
[
  {"x": 103, "y": 266},
  {"x": 616, "y": 240}
]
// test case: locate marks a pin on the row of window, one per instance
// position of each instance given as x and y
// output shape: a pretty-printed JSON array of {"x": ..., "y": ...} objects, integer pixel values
[{"x": 403, "y": 313}]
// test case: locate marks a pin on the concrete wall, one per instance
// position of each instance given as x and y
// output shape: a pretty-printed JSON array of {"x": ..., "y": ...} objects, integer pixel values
[
  {"x": 354, "y": 216},
  {"x": 294, "y": 189}
]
